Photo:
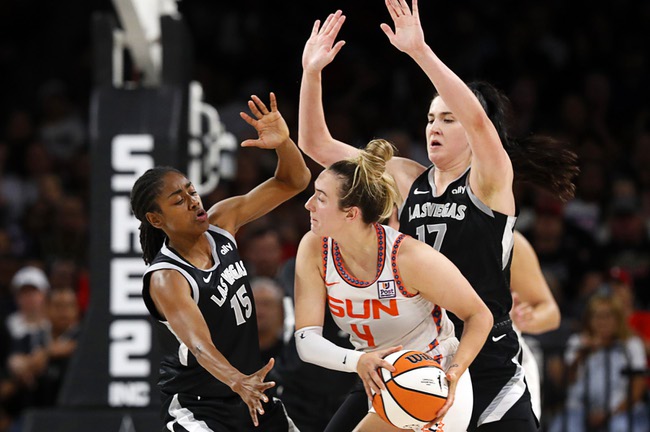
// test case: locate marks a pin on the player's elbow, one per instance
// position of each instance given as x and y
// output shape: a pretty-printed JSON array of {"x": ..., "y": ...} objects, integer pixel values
[
  {"x": 302, "y": 179},
  {"x": 554, "y": 317},
  {"x": 296, "y": 180},
  {"x": 317, "y": 149},
  {"x": 480, "y": 318},
  {"x": 308, "y": 145},
  {"x": 483, "y": 317}
]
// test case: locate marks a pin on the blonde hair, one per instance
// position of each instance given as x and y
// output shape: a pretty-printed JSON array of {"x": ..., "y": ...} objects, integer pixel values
[
  {"x": 366, "y": 184},
  {"x": 623, "y": 330}
]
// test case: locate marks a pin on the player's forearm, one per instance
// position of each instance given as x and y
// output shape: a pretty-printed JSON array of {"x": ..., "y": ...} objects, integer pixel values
[
  {"x": 314, "y": 348},
  {"x": 458, "y": 97},
  {"x": 291, "y": 169},
  {"x": 476, "y": 329},
  {"x": 545, "y": 317},
  {"x": 214, "y": 362},
  {"x": 194, "y": 333},
  {"x": 313, "y": 134}
]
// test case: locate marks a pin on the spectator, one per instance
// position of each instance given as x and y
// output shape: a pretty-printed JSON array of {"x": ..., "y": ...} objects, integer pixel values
[
  {"x": 585, "y": 210},
  {"x": 69, "y": 235},
  {"x": 622, "y": 287},
  {"x": 564, "y": 250},
  {"x": 30, "y": 287},
  {"x": 263, "y": 252},
  {"x": 21, "y": 190},
  {"x": 63, "y": 312},
  {"x": 62, "y": 129},
  {"x": 628, "y": 245},
  {"x": 600, "y": 395},
  {"x": 268, "y": 297},
  {"x": 29, "y": 330}
]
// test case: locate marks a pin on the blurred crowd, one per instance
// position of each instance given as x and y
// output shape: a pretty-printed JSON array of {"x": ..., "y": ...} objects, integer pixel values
[{"x": 572, "y": 70}]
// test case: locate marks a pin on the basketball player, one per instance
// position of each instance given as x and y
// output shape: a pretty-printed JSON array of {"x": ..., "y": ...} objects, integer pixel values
[
  {"x": 463, "y": 204},
  {"x": 383, "y": 288},
  {"x": 534, "y": 310},
  {"x": 197, "y": 286}
]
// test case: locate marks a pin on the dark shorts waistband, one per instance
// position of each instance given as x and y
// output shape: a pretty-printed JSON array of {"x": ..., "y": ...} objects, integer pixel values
[{"x": 502, "y": 324}]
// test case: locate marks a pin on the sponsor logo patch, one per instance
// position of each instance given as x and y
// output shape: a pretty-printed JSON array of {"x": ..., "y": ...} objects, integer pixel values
[{"x": 386, "y": 289}]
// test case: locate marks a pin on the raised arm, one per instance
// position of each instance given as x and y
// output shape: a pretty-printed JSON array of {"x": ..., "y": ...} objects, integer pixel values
[
  {"x": 171, "y": 295},
  {"x": 290, "y": 178},
  {"x": 492, "y": 174},
  {"x": 535, "y": 310},
  {"x": 445, "y": 286},
  {"x": 314, "y": 137}
]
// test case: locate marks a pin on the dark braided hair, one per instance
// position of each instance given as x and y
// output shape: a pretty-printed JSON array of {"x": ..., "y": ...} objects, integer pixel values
[
  {"x": 541, "y": 160},
  {"x": 143, "y": 200}
]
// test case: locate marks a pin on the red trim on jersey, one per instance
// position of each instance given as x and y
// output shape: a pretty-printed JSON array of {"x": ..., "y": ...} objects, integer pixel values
[
  {"x": 395, "y": 269},
  {"x": 437, "y": 317},
  {"x": 381, "y": 259},
  {"x": 324, "y": 256}
]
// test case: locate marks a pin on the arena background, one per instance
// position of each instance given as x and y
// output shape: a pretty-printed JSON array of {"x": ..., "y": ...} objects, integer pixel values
[{"x": 72, "y": 143}]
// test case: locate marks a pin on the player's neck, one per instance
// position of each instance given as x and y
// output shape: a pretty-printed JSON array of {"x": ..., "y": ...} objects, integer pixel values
[
  {"x": 443, "y": 176},
  {"x": 359, "y": 251},
  {"x": 196, "y": 250}
]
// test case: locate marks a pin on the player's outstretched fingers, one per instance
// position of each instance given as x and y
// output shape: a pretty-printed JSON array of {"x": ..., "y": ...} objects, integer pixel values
[
  {"x": 273, "y": 101},
  {"x": 253, "y": 413},
  {"x": 253, "y": 109},
  {"x": 260, "y": 105},
  {"x": 269, "y": 365}
]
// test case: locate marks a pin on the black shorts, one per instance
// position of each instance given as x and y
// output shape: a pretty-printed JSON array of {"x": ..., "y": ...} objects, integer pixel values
[
  {"x": 352, "y": 411},
  {"x": 310, "y": 411},
  {"x": 500, "y": 389},
  {"x": 185, "y": 413}
]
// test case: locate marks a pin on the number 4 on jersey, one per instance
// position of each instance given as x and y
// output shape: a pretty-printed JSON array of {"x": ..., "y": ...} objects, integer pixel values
[{"x": 365, "y": 334}]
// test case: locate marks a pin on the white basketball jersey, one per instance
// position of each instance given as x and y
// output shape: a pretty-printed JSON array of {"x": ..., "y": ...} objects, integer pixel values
[{"x": 381, "y": 313}]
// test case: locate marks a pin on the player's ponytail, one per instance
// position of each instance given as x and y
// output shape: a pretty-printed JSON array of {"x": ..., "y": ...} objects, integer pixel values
[
  {"x": 366, "y": 184},
  {"x": 143, "y": 200},
  {"x": 544, "y": 162},
  {"x": 540, "y": 160}
]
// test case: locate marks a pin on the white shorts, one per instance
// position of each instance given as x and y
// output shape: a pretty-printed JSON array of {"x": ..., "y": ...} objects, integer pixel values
[{"x": 533, "y": 379}]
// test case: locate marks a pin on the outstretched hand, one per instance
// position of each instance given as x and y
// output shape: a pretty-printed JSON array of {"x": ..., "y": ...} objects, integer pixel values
[
  {"x": 408, "y": 35},
  {"x": 270, "y": 126},
  {"x": 368, "y": 369},
  {"x": 320, "y": 49},
  {"x": 251, "y": 389}
]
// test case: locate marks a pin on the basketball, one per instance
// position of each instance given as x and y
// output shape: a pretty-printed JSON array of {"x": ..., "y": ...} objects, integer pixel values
[{"x": 414, "y": 392}]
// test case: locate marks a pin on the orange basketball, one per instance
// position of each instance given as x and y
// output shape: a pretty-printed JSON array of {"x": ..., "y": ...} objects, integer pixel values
[{"x": 414, "y": 392}]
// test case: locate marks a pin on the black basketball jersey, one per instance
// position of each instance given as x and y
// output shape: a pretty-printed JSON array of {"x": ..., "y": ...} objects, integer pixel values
[
  {"x": 475, "y": 238},
  {"x": 224, "y": 297}
]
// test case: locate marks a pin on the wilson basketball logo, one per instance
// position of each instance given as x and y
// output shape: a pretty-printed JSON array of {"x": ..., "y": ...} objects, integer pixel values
[
  {"x": 418, "y": 357},
  {"x": 415, "y": 391}
]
